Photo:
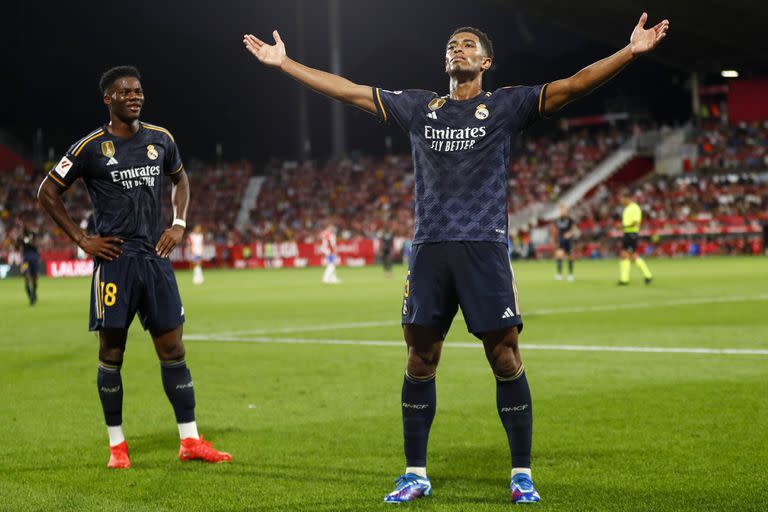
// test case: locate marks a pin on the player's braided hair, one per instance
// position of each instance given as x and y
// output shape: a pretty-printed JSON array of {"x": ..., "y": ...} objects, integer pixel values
[
  {"x": 112, "y": 74},
  {"x": 485, "y": 41}
]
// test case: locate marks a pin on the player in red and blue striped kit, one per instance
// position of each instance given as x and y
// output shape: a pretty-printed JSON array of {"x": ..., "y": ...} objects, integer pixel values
[{"x": 460, "y": 146}]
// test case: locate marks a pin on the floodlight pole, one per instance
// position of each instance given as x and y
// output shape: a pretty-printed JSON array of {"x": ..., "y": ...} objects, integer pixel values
[
  {"x": 695, "y": 98},
  {"x": 338, "y": 128}
]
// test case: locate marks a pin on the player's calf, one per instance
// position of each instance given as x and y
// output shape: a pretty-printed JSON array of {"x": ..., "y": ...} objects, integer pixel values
[
  {"x": 110, "y": 386},
  {"x": 514, "y": 405}
]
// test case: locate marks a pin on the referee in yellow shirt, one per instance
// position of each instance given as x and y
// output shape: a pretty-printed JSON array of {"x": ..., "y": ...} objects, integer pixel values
[{"x": 631, "y": 218}]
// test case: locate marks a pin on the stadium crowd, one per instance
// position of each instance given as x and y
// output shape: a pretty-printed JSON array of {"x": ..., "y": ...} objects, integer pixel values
[
  {"x": 741, "y": 147},
  {"x": 721, "y": 196},
  {"x": 362, "y": 197},
  {"x": 359, "y": 197},
  {"x": 218, "y": 190},
  {"x": 545, "y": 167}
]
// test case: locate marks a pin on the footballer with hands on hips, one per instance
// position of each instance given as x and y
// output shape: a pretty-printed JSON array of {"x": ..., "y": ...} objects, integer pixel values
[{"x": 124, "y": 165}]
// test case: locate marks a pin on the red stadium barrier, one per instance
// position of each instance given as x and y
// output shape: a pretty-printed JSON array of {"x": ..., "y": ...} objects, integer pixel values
[{"x": 351, "y": 253}]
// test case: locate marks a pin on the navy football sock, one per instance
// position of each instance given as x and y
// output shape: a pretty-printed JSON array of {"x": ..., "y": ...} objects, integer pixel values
[
  {"x": 418, "y": 403},
  {"x": 28, "y": 289},
  {"x": 570, "y": 266},
  {"x": 177, "y": 382},
  {"x": 110, "y": 385},
  {"x": 559, "y": 266},
  {"x": 513, "y": 400}
]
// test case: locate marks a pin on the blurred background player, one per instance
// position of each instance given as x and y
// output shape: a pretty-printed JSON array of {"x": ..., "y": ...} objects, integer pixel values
[
  {"x": 196, "y": 246},
  {"x": 460, "y": 144},
  {"x": 631, "y": 218},
  {"x": 328, "y": 250},
  {"x": 387, "y": 240},
  {"x": 30, "y": 266},
  {"x": 123, "y": 164},
  {"x": 564, "y": 230}
]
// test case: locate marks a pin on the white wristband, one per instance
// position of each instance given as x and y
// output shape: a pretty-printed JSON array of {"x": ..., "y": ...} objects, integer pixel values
[{"x": 179, "y": 222}]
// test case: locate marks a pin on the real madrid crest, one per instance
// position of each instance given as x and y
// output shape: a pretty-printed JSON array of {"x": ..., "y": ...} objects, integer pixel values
[
  {"x": 436, "y": 103},
  {"x": 481, "y": 112},
  {"x": 152, "y": 153}
]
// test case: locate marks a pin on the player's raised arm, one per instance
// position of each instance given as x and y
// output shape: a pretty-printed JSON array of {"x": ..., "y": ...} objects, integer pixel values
[
  {"x": 328, "y": 84},
  {"x": 642, "y": 40}
]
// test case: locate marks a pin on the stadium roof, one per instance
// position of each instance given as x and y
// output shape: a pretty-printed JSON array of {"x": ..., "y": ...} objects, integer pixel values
[{"x": 704, "y": 36}]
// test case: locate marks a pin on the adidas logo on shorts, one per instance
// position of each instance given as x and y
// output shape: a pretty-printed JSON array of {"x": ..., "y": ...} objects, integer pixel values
[{"x": 508, "y": 313}]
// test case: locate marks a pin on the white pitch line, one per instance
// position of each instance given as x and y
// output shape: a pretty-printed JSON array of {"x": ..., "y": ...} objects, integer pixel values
[
  {"x": 644, "y": 305},
  {"x": 463, "y": 344},
  {"x": 313, "y": 328},
  {"x": 535, "y": 312}
]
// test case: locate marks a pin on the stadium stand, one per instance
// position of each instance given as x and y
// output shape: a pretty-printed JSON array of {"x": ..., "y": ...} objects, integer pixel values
[
  {"x": 297, "y": 200},
  {"x": 721, "y": 196},
  {"x": 548, "y": 166},
  {"x": 217, "y": 190}
]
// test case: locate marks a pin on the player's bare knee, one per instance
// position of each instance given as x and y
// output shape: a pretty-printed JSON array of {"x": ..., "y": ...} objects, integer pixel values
[
  {"x": 422, "y": 364},
  {"x": 112, "y": 355},
  {"x": 112, "y": 345},
  {"x": 506, "y": 363},
  {"x": 505, "y": 358},
  {"x": 171, "y": 351},
  {"x": 169, "y": 345},
  {"x": 502, "y": 352}
]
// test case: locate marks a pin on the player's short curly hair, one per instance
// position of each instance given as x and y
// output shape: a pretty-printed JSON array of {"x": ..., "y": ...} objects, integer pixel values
[
  {"x": 112, "y": 74},
  {"x": 485, "y": 41}
]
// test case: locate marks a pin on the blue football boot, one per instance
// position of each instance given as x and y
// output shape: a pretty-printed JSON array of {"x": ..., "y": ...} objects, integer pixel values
[
  {"x": 408, "y": 487},
  {"x": 522, "y": 490}
]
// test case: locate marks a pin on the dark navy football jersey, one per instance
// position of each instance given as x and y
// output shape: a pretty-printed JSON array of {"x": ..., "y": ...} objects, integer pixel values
[
  {"x": 461, "y": 157},
  {"x": 563, "y": 225},
  {"x": 28, "y": 242},
  {"x": 124, "y": 178}
]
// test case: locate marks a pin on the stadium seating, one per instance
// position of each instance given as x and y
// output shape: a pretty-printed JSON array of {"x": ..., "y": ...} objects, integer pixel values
[
  {"x": 215, "y": 189},
  {"x": 700, "y": 212},
  {"x": 722, "y": 188},
  {"x": 545, "y": 167},
  {"x": 741, "y": 147},
  {"x": 359, "y": 197}
]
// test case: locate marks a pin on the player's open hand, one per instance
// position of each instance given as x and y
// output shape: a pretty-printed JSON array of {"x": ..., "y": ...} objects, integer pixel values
[
  {"x": 272, "y": 55},
  {"x": 106, "y": 247},
  {"x": 170, "y": 238},
  {"x": 644, "y": 40}
]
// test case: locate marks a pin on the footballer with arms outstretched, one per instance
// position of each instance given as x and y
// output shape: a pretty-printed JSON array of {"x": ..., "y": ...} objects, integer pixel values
[
  {"x": 124, "y": 165},
  {"x": 461, "y": 143}
]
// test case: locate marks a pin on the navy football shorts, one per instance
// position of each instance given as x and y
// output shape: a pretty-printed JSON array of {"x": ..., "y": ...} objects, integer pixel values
[
  {"x": 134, "y": 284},
  {"x": 31, "y": 264},
  {"x": 565, "y": 245},
  {"x": 474, "y": 275},
  {"x": 629, "y": 242}
]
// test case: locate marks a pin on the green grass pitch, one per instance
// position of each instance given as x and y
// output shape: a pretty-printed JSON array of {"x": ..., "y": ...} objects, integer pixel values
[{"x": 312, "y": 417}]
